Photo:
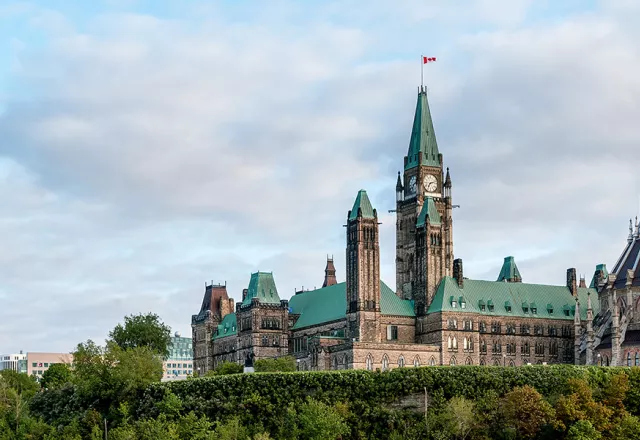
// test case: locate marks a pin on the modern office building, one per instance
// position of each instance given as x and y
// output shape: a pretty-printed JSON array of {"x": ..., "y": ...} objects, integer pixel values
[
  {"x": 179, "y": 363},
  {"x": 38, "y": 363},
  {"x": 15, "y": 362}
]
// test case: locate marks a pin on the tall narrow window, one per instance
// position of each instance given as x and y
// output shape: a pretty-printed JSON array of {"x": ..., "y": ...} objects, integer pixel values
[
  {"x": 369, "y": 363},
  {"x": 401, "y": 361},
  {"x": 385, "y": 363}
]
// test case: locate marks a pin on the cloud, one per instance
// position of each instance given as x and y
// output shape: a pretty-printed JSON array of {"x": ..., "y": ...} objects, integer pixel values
[{"x": 143, "y": 153}]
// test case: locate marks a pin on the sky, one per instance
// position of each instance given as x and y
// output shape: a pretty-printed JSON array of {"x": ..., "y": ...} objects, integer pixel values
[{"x": 148, "y": 147}]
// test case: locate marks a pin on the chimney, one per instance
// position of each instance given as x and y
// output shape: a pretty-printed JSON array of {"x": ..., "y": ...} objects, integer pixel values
[
  {"x": 583, "y": 283},
  {"x": 244, "y": 294},
  {"x": 232, "y": 305},
  {"x": 457, "y": 272},
  {"x": 329, "y": 273},
  {"x": 572, "y": 284}
]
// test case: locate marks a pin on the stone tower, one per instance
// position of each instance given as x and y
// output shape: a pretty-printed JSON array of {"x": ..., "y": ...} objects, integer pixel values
[
  {"x": 424, "y": 226},
  {"x": 363, "y": 271},
  {"x": 329, "y": 274},
  {"x": 216, "y": 304}
]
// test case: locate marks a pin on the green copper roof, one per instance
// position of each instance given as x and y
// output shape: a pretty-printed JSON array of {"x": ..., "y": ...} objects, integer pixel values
[
  {"x": 522, "y": 298},
  {"x": 330, "y": 304},
  {"x": 509, "y": 270},
  {"x": 262, "y": 286},
  {"x": 429, "y": 210},
  {"x": 423, "y": 137},
  {"x": 362, "y": 202},
  {"x": 599, "y": 267},
  {"x": 227, "y": 327}
]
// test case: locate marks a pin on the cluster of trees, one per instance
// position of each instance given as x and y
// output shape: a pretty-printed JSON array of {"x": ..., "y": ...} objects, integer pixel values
[{"x": 114, "y": 392}]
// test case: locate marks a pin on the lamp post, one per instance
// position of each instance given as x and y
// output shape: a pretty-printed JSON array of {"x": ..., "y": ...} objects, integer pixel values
[
  {"x": 599, "y": 356},
  {"x": 504, "y": 360}
]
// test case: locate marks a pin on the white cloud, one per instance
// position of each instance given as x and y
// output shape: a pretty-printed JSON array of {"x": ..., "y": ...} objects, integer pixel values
[{"x": 153, "y": 154}]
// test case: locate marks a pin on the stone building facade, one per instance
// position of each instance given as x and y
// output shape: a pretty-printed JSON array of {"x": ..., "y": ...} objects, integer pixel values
[
  {"x": 434, "y": 316},
  {"x": 611, "y": 333}
]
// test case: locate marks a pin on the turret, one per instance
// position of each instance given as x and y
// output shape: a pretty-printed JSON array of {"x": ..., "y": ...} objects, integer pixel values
[
  {"x": 329, "y": 274},
  {"x": 399, "y": 189}
]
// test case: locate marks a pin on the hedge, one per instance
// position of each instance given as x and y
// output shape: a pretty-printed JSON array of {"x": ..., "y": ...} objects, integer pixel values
[{"x": 258, "y": 397}]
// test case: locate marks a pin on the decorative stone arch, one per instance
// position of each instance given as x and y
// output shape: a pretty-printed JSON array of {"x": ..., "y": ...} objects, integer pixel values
[
  {"x": 469, "y": 361},
  {"x": 385, "y": 362},
  {"x": 482, "y": 362},
  {"x": 628, "y": 359},
  {"x": 401, "y": 361},
  {"x": 369, "y": 362},
  {"x": 335, "y": 362},
  {"x": 452, "y": 361},
  {"x": 416, "y": 361},
  {"x": 432, "y": 362},
  {"x": 512, "y": 364},
  {"x": 496, "y": 362}
]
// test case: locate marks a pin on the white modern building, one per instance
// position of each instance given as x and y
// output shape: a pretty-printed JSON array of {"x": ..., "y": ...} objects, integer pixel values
[{"x": 16, "y": 362}]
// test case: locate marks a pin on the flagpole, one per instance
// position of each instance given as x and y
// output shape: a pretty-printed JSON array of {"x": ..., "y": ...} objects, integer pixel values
[{"x": 421, "y": 72}]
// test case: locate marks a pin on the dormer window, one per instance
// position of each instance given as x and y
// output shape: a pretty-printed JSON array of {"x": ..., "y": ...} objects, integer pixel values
[
  {"x": 463, "y": 303},
  {"x": 454, "y": 304}
]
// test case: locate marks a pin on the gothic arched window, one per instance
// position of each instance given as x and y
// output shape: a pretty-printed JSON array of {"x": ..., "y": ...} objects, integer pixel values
[
  {"x": 416, "y": 361},
  {"x": 369, "y": 362},
  {"x": 628, "y": 359},
  {"x": 401, "y": 361},
  {"x": 469, "y": 361},
  {"x": 432, "y": 361},
  {"x": 385, "y": 363},
  {"x": 452, "y": 361},
  {"x": 637, "y": 361}
]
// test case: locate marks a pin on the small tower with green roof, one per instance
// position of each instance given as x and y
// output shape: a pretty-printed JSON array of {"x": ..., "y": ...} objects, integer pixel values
[
  {"x": 363, "y": 271},
  {"x": 262, "y": 320}
]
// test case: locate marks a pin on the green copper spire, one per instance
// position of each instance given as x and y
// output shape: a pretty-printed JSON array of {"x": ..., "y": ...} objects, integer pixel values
[
  {"x": 262, "y": 286},
  {"x": 429, "y": 211},
  {"x": 509, "y": 271},
  {"x": 362, "y": 202},
  {"x": 423, "y": 137}
]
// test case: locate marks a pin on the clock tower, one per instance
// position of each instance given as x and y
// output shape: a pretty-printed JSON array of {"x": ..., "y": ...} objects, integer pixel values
[{"x": 424, "y": 227}]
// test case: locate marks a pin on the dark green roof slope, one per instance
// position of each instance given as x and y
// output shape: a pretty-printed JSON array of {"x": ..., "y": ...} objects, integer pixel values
[
  {"x": 509, "y": 270},
  {"x": 549, "y": 301},
  {"x": 429, "y": 210},
  {"x": 262, "y": 286},
  {"x": 330, "y": 304},
  {"x": 423, "y": 137},
  {"x": 227, "y": 327},
  {"x": 362, "y": 201}
]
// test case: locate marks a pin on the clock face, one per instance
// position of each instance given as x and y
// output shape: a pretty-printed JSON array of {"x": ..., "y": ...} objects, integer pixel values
[
  {"x": 412, "y": 185},
  {"x": 430, "y": 183}
]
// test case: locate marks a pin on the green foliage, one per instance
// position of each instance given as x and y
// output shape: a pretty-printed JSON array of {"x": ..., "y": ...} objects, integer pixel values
[
  {"x": 318, "y": 421},
  {"x": 627, "y": 429},
  {"x": 56, "y": 376},
  {"x": 463, "y": 418},
  {"x": 583, "y": 430},
  {"x": 282, "y": 364},
  {"x": 140, "y": 331},
  {"x": 226, "y": 368},
  {"x": 23, "y": 384}
]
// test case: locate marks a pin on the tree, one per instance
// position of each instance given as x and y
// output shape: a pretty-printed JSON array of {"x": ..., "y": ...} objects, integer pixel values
[
  {"x": 22, "y": 383},
  {"x": 143, "y": 331},
  {"x": 583, "y": 430},
  {"x": 627, "y": 429},
  {"x": 462, "y": 415},
  {"x": 226, "y": 368},
  {"x": 579, "y": 405},
  {"x": 526, "y": 411},
  {"x": 56, "y": 376},
  {"x": 319, "y": 421},
  {"x": 283, "y": 364}
]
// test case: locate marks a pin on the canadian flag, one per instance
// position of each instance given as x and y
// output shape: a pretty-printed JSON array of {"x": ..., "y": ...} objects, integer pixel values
[{"x": 426, "y": 60}]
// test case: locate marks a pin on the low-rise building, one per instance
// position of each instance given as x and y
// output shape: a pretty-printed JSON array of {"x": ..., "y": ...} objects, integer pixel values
[
  {"x": 38, "y": 363},
  {"x": 14, "y": 362},
  {"x": 179, "y": 363}
]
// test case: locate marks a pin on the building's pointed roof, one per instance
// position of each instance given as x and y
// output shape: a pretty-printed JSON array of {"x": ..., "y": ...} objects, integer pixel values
[
  {"x": 329, "y": 274},
  {"x": 509, "y": 271},
  {"x": 262, "y": 286},
  {"x": 364, "y": 204},
  {"x": 429, "y": 211},
  {"x": 447, "y": 180},
  {"x": 399, "y": 183},
  {"x": 423, "y": 136}
]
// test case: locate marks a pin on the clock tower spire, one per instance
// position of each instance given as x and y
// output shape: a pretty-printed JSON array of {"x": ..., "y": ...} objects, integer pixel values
[{"x": 424, "y": 237}]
